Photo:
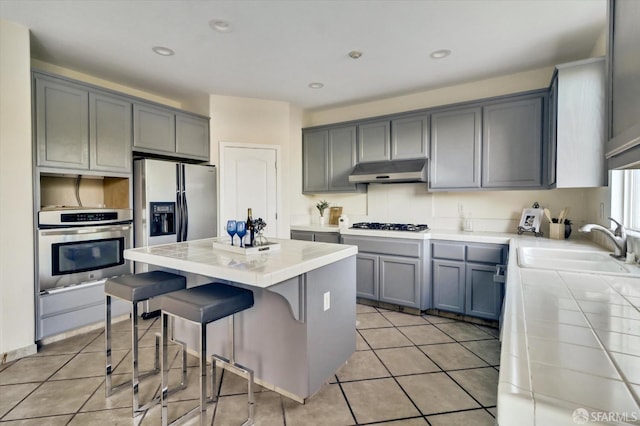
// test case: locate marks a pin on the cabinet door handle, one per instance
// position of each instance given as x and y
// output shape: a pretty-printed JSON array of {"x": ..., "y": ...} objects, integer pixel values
[{"x": 500, "y": 275}]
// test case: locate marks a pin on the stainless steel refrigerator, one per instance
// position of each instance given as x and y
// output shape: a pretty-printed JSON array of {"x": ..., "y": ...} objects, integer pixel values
[{"x": 173, "y": 202}]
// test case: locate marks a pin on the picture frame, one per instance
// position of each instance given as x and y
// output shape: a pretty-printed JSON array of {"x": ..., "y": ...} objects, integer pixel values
[{"x": 530, "y": 221}]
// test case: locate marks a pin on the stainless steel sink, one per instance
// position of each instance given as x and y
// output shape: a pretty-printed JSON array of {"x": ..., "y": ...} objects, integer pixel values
[{"x": 569, "y": 260}]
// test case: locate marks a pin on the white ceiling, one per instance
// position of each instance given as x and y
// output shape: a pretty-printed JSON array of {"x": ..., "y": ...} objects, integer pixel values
[{"x": 277, "y": 47}]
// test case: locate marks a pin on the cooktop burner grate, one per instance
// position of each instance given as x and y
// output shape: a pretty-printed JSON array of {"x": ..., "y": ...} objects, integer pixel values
[{"x": 390, "y": 226}]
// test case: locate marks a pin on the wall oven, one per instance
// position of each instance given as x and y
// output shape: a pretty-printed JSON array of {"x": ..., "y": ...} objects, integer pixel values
[{"x": 81, "y": 246}]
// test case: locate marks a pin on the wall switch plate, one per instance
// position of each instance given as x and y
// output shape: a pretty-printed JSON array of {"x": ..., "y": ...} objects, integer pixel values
[{"x": 327, "y": 301}]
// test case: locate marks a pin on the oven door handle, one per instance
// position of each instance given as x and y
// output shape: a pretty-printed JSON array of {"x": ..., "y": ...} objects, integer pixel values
[
  {"x": 73, "y": 287},
  {"x": 78, "y": 231}
]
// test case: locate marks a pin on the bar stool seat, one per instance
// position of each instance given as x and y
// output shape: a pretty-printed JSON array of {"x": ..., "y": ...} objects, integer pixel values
[
  {"x": 202, "y": 305},
  {"x": 140, "y": 287},
  {"x": 136, "y": 288}
]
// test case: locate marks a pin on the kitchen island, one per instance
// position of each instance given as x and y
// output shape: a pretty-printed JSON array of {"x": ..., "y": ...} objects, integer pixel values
[{"x": 302, "y": 327}]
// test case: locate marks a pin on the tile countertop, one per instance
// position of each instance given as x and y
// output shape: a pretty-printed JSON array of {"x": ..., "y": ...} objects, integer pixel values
[
  {"x": 570, "y": 340},
  {"x": 478, "y": 237},
  {"x": 259, "y": 270},
  {"x": 570, "y": 344}
]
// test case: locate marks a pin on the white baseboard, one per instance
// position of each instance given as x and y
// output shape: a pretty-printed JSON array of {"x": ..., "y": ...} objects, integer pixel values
[{"x": 19, "y": 353}]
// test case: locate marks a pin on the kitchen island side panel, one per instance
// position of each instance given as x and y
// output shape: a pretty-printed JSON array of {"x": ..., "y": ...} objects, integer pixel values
[
  {"x": 288, "y": 355},
  {"x": 331, "y": 333}
]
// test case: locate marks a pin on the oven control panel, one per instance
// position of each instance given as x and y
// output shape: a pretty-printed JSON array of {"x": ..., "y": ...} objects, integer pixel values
[
  {"x": 82, "y": 217},
  {"x": 88, "y": 217}
]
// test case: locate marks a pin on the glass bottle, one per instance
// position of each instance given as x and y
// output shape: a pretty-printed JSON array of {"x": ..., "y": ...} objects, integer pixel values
[{"x": 250, "y": 227}]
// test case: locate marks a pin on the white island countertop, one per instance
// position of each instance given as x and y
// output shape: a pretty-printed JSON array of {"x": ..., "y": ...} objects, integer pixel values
[{"x": 260, "y": 270}]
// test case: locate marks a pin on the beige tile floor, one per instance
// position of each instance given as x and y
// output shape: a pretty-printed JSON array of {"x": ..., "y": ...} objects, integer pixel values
[{"x": 407, "y": 370}]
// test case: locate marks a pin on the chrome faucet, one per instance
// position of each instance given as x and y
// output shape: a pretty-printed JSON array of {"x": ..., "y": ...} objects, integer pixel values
[{"x": 618, "y": 236}]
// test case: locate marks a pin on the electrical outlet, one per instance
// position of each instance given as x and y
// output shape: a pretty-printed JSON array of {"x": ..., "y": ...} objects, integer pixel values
[{"x": 327, "y": 301}]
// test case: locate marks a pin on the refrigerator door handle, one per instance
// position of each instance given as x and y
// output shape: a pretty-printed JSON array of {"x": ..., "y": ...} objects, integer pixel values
[
  {"x": 184, "y": 218},
  {"x": 178, "y": 203},
  {"x": 185, "y": 215}
]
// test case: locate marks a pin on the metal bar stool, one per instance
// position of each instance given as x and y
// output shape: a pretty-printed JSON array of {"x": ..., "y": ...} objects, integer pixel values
[
  {"x": 202, "y": 305},
  {"x": 139, "y": 288}
]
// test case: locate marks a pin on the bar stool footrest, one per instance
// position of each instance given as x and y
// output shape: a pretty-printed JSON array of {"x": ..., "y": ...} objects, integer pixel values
[{"x": 243, "y": 371}]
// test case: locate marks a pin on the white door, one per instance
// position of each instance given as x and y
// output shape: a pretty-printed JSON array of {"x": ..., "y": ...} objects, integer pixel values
[{"x": 248, "y": 179}]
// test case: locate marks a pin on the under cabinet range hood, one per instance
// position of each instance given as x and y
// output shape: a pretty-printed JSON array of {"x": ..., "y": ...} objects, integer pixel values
[{"x": 394, "y": 171}]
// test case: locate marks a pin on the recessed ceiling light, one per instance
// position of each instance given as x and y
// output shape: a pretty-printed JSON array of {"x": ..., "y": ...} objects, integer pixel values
[
  {"x": 316, "y": 85},
  {"x": 439, "y": 54},
  {"x": 220, "y": 25},
  {"x": 163, "y": 51},
  {"x": 355, "y": 54}
]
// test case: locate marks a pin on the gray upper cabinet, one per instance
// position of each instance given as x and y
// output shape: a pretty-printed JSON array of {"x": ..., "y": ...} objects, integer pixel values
[
  {"x": 409, "y": 137},
  {"x": 315, "y": 161},
  {"x": 62, "y": 123},
  {"x": 512, "y": 143},
  {"x": 81, "y": 129},
  {"x": 342, "y": 158},
  {"x": 328, "y": 157},
  {"x": 401, "y": 138},
  {"x": 623, "y": 147},
  {"x": 168, "y": 132},
  {"x": 455, "y": 148},
  {"x": 577, "y": 125},
  {"x": 109, "y": 133},
  {"x": 373, "y": 141},
  {"x": 489, "y": 144},
  {"x": 192, "y": 136},
  {"x": 154, "y": 129}
]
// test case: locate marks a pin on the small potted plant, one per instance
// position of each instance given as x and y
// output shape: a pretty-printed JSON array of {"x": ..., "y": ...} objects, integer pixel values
[{"x": 322, "y": 206}]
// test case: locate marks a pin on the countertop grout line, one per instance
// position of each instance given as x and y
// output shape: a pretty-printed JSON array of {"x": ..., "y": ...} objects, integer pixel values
[{"x": 625, "y": 380}]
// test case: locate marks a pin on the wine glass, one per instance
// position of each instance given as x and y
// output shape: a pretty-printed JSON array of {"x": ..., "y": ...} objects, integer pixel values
[
  {"x": 231, "y": 229},
  {"x": 241, "y": 230}
]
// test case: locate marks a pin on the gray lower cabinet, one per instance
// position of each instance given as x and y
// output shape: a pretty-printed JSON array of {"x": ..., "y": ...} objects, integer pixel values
[
  {"x": 81, "y": 129},
  {"x": 328, "y": 157},
  {"x": 367, "y": 276},
  {"x": 392, "y": 270},
  {"x": 400, "y": 281},
  {"x": 321, "y": 237},
  {"x": 73, "y": 308},
  {"x": 456, "y": 148},
  {"x": 463, "y": 278},
  {"x": 448, "y": 285},
  {"x": 483, "y": 297},
  {"x": 512, "y": 140}
]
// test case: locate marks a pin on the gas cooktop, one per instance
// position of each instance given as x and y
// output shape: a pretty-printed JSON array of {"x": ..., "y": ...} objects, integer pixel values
[{"x": 390, "y": 226}]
